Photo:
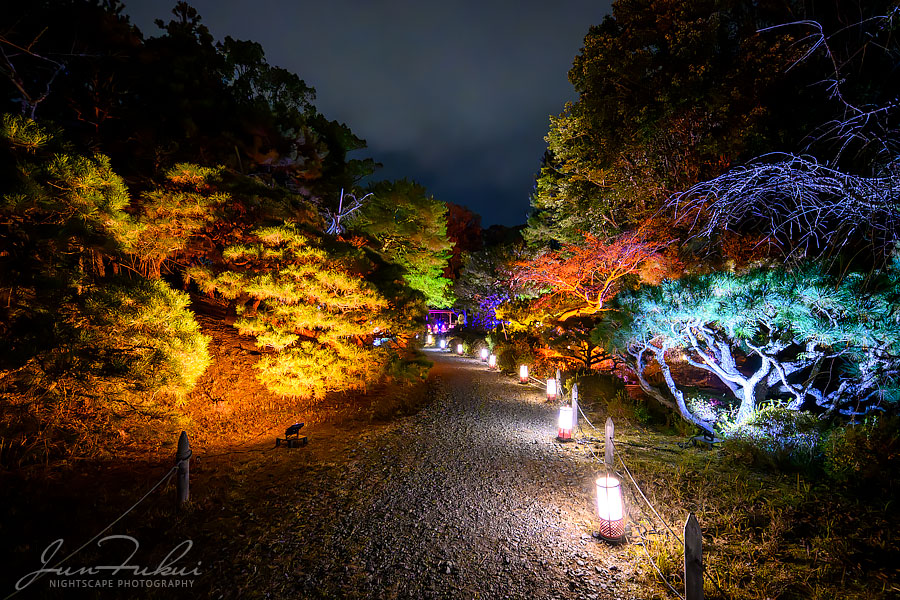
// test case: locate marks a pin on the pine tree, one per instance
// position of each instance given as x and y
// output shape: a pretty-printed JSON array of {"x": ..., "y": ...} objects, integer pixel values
[
  {"x": 79, "y": 339},
  {"x": 314, "y": 318}
]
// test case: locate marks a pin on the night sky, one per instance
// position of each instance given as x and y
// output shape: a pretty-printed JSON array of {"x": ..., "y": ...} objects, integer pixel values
[{"x": 455, "y": 95}]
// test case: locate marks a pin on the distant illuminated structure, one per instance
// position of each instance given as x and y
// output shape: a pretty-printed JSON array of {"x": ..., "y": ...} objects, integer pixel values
[{"x": 442, "y": 321}]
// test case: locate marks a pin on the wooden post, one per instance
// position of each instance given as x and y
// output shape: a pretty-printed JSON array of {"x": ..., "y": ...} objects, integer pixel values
[
  {"x": 693, "y": 559},
  {"x": 183, "y": 462},
  {"x": 574, "y": 407},
  {"x": 610, "y": 430}
]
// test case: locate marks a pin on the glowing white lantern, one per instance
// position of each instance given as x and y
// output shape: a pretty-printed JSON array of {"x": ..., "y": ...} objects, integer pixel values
[
  {"x": 429, "y": 340},
  {"x": 459, "y": 349},
  {"x": 564, "y": 427},
  {"x": 443, "y": 344},
  {"x": 610, "y": 508},
  {"x": 492, "y": 362},
  {"x": 484, "y": 354},
  {"x": 523, "y": 374},
  {"x": 551, "y": 389}
]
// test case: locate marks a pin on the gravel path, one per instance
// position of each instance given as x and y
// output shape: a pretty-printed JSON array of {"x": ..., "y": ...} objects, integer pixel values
[{"x": 472, "y": 497}]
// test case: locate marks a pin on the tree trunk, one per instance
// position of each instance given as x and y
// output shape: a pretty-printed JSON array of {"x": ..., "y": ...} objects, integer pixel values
[
  {"x": 753, "y": 391},
  {"x": 683, "y": 410}
]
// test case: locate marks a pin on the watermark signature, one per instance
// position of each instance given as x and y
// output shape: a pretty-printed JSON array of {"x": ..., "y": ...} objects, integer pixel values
[{"x": 165, "y": 574}]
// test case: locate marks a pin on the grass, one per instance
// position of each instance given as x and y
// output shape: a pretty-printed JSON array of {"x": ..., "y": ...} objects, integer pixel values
[{"x": 766, "y": 533}]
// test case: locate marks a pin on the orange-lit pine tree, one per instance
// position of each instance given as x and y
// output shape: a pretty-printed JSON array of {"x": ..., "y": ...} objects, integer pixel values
[{"x": 314, "y": 318}]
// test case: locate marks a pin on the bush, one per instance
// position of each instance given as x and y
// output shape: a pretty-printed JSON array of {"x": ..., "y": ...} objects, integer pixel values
[
  {"x": 476, "y": 347},
  {"x": 621, "y": 406},
  {"x": 777, "y": 437},
  {"x": 455, "y": 341},
  {"x": 313, "y": 317},
  {"x": 515, "y": 351},
  {"x": 116, "y": 359},
  {"x": 867, "y": 454}
]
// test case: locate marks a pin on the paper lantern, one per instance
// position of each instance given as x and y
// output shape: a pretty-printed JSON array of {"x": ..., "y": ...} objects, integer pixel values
[
  {"x": 459, "y": 349},
  {"x": 484, "y": 354},
  {"x": 610, "y": 508},
  {"x": 443, "y": 344},
  {"x": 429, "y": 340},
  {"x": 551, "y": 389},
  {"x": 492, "y": 362},
  {"x": 564, "y": 426},
  {"x": 523, "y": 374}
]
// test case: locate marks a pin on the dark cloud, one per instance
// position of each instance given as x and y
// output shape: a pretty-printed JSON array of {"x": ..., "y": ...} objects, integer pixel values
[{"x": 455, "y": 95}]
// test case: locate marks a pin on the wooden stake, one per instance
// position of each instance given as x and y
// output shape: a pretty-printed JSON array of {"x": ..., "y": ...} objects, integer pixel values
[
  {"x": 574, "y": 407},
  {"x": 693, "y": 559},
  {"x": 183, "y": 462},
  {"x": 610, "y": 430}
]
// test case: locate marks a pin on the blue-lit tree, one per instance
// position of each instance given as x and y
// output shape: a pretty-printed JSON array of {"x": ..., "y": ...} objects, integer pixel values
[
  {"x": 486, "y": 282},
  {"x": 805, "y": 337}
]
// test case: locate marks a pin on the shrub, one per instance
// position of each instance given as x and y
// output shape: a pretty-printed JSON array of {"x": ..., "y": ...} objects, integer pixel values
[
  {"x": 622, "y": 406},
  {"x": 778, "y": 437},
  {"x": 867, "y": 454},
  {"x": 515, "y": 351},
  {"x": 312, "y": 316}
]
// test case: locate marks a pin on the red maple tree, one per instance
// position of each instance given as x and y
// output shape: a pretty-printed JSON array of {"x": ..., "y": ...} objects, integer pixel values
[{"x": 579, "y": 279}]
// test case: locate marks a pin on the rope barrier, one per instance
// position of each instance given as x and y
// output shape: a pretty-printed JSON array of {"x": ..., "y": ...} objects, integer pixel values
[
  {"x": 643, "y": 545},
  {"x": 643, "y": 542},
  {"x": 649, "y": 504},
  {"x": 104, "y": 530},
  {"x": 641, "y": 492}
]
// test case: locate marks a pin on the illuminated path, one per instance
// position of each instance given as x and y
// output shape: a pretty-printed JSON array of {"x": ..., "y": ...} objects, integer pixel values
[{"x": 469, "y": 498}]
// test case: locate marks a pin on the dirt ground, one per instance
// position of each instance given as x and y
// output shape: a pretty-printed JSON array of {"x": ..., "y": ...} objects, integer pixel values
[{"x": 471, "y": 497}]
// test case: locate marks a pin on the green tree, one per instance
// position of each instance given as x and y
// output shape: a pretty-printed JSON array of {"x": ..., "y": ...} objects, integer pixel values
[
  {"x": 487, "y": 280},
  {"x": 411, "y": 230},
  {"x": 670, "y": 93},
  {"x": 171, "y": 214}
]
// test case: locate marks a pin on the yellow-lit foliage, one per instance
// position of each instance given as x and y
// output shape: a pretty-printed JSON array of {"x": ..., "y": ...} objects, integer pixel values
[
  {"x": 141, "y": 336},
  {"x": 314, "y": 318},
  {"x": 171, "y": 213}
]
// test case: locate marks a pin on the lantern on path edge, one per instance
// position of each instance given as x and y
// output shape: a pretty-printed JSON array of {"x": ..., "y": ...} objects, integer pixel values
[
  {"x": 523, "y": 374},
  {"x": 492, "y": 361},
  {"x": 484, "y": 354},
  {"x": 443, "y": 344},
  {"x": 551, "y": 389},
  {"x": 564, "y": 424},
  {"x": 610, "y": 508},
  {"x": 459, "y": 349},
  {"x": 429, "y": 340}
]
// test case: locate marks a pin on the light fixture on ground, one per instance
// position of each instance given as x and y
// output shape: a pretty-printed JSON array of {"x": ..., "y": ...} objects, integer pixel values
[
  {"x": 610, "y": 508},
  {"x": 484, "y": 354},
  {"x": 564, "y": 424},
  {"x": 429, "y": 340},
  {"x": 443, "y": 344},
  {"x": 459, "y": 349},
  {"x": 523, "y": 374},
  {"x": 492, "y": 362},
  {"x": 551, "y": 389}
]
